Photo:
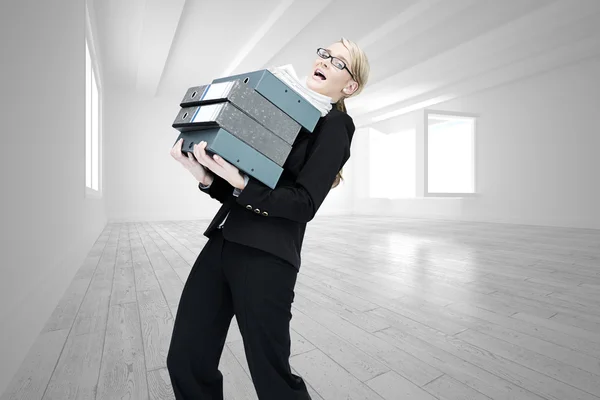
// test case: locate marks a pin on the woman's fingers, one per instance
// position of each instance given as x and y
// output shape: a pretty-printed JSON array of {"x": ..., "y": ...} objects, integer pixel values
[
  {"x": 201, "y": 156},
  {"x": 198, "y": 155},
  {"x": 176, "y": 149},
  {"x": 208, "y": 161},
  {"x": 223, "y": 163},
  {"x": 190, "y": 157},
  {"x": 187, "y": 160}
]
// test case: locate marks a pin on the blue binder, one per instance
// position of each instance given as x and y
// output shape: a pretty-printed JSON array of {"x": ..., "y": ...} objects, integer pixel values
[
  {"x": 227, "y": 116},
  {"x": 247, "y": 100},
  {"x": 281, "y": 95},
  {"x": 233, "y": 150}
]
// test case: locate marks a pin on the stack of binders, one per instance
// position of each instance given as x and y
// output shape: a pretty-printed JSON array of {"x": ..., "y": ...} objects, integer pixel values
[{"x": 251, "y": 120}]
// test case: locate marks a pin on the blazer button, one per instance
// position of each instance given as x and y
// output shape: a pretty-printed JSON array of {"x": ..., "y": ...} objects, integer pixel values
[
  {"x": 256, "y": 210},
  {"x": 249, "y": 207},
  {"x": 265, "y": 213}
]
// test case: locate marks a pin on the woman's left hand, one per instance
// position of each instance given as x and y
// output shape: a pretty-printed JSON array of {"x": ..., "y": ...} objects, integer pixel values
[{"x": 219, "y": 166}]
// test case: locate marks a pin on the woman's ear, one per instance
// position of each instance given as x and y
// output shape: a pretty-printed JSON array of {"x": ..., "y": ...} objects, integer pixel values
[{"x": 350, "y": 88}]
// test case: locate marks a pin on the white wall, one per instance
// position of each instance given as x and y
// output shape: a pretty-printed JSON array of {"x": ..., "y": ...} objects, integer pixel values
[
  {"x": 48, "y": 226},
  {"x": 143, "y": 181},
  {"x": 536, "y": 158},
  {"x": 538, "y": 154}
]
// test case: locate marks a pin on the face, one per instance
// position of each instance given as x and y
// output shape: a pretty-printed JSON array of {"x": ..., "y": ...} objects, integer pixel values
[{"x": 335, "y": 83}]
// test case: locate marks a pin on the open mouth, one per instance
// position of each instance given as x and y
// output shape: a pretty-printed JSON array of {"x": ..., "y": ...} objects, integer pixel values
[{"x": 319, "y": 75}]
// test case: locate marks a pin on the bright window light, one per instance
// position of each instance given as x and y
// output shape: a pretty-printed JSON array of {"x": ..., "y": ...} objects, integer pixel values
[
  {"x": 92, "y": 118},
  {"x": 88, "y": 118},
  {"x": 450, "y": 154},
  {"x": 392, "y": 164}
]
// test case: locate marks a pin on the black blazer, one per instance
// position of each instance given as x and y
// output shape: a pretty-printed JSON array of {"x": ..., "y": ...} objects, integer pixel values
[{"x": 274, "y": 220}]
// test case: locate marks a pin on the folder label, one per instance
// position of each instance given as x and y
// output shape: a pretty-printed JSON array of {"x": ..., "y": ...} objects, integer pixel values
[
  {"x": 217, "y": 91},
  {"x": 207, "y": 112}
]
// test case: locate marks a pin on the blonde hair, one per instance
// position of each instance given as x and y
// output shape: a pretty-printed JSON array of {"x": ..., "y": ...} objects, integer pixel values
[{"x": 360, "y": 69}]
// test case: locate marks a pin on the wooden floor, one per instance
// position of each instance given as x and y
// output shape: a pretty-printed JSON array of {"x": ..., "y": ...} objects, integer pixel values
[{"x": 384, "y": 309}]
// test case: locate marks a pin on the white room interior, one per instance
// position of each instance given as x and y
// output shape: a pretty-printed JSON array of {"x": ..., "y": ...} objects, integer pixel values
[{"x": 526, "y": 73}]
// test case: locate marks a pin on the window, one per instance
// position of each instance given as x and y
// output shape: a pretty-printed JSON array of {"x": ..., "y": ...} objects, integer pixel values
[
  {"x": 450, "y": 154},
  {"x": 92, "y": 124},
  {"x": 392, "y": 164}
]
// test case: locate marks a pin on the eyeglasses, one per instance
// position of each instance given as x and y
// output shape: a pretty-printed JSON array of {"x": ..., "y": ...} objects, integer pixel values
[{"x": 339, "y": 64}]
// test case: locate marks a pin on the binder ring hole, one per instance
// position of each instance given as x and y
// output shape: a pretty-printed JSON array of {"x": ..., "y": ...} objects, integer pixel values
[
  {"x": 194, "y": 94},
  {"x": 190, "y": 145},
  {"x": 246, "y": 80},
  {"x": 184, "y": 115},
  {"x": 286, "y": 90},
  {"x": 252, "y": 170},
  {"x": 298, "y": 101},
  {"x": 238, "y": 161}
]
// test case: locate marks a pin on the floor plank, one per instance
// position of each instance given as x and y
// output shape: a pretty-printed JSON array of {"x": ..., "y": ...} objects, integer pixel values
[
  {"x": 31, "y": 380},
  {"x": 123, "y": 369},
  {"x": 402, "y": 308}
]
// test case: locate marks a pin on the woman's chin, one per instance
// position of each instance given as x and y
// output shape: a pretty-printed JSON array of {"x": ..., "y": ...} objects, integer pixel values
[{"x": 317, "y": 86}]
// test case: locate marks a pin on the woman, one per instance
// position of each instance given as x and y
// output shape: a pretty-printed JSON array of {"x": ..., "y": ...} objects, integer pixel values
[{"x": 249, "y": 265}]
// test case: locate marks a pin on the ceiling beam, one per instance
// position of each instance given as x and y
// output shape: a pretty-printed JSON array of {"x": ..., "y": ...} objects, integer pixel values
[
  {"x": 260, "y": 33},
  {"x": 281, "y": 27},
  {"x": 568, "y": 53},
  {"x": 474, "y": 61},
  {"x": 160, "y": 22}
]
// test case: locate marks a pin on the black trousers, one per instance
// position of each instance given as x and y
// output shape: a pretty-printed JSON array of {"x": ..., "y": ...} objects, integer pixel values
[{"x": 258, "y": 288}]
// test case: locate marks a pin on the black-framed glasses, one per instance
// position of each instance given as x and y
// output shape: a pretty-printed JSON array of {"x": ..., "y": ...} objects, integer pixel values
[{"x": 336, "y": 62}]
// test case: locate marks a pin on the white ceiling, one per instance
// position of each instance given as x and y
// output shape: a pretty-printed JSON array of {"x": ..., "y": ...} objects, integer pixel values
[{"x": 422, "y": 52}]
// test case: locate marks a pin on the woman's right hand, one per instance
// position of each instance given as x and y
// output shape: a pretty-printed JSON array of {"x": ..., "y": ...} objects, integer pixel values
[{"x": 190, "y": 163}]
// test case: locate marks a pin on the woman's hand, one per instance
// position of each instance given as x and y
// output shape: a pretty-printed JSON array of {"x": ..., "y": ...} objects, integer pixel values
[
  {"x": 219, "y": 166},
  {"x": 200, "y": 173}
]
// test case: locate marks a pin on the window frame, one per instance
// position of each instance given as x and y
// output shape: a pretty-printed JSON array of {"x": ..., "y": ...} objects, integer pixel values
[
  {"x": 91, "y": 193},
  {"x": 425, "y": 150}
]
